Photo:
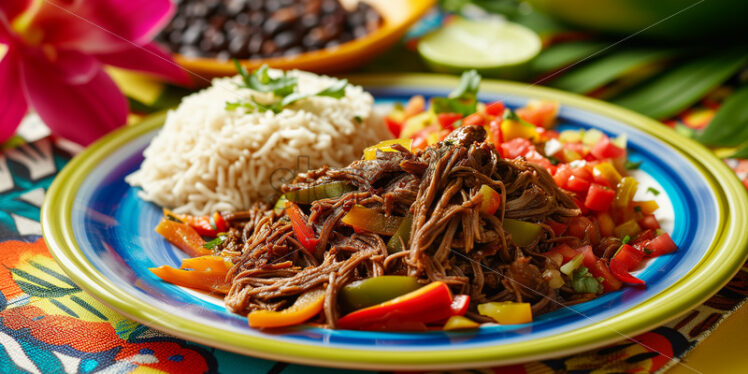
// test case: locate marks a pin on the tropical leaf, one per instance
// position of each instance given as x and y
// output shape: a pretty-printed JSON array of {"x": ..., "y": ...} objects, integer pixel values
[
  {"x": 741, "y": 153},
  {"x": 599, "y": 72},
  {"x": 670, "y": 93},
  {"x": 730, "y": 125},
  {"x": 563, "y": 54}
]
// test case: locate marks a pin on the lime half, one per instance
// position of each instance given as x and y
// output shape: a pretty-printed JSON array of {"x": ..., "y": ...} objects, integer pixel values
[{"x": 492, "y": 46}]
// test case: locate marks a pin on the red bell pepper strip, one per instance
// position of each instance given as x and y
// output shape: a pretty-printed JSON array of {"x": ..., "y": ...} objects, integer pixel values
[
  {"x": 626, "y": 259},
  {"x": 460, "y": 304},
  {"x": 301, "y": 228},
  {"x": 429, "y": 303}
]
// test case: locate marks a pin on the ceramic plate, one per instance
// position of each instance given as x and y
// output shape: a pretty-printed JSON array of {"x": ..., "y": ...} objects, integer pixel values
[{"x": 102, "y": 235}]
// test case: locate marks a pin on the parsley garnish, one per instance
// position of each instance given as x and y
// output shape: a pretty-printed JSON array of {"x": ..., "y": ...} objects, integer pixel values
[
  {"x": 653, "y": 190},
  {"x": 625, "y": 240},
  {"x": 213, "y": 243},
  {"x": 637, "y": 209},
  {"x": 583, "y": 282},
  {"x": 553, "y": 160},
  {"x": 630, "y": 165},
  {"x": 463, "y": 99},
  {"x": 283, "y": 87},
  {"x": 358, "y": 119}
]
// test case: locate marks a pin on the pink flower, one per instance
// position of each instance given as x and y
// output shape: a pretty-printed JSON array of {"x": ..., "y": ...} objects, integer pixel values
[{"x": 52, "y": 54}]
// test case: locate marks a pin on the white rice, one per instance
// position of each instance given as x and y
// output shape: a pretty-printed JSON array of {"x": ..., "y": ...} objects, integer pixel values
[{"x": 208, "y": 159}]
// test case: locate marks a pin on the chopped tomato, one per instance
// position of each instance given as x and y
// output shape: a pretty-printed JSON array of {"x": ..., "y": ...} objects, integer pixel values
[
  {"x": 649, "y": 221},
  {"x": 558, "y": 227},
  {"x": 577, "y": 184},
  {"x": 475, "y": 119},
  {"x": 561, "y": 177},
  {"x": 578, "y": 226},
  {"x": 394, "y": 126},
  {"x": 540, "y": 113},
  {"x": 517, "y": 147},
  {"x": 599, "y": 197},
  {"x": 606, "y": 149},
  {"x": 662, "y": 244},
  {"x": 495, "y": 108},
  {"x": 447, "y": 120},
  {"x": 566, "y": 253}
]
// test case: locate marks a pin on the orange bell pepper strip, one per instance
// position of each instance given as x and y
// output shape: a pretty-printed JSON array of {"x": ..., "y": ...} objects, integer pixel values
[
  {"x": 306, "y": 306},
  {"x": 208, "y": 280},
  {"x": 183, "y": 236},
  {"x": 207, "y": 263},
  {"x": 429, "y": 303},
  {"x": 209, "y": 225}
]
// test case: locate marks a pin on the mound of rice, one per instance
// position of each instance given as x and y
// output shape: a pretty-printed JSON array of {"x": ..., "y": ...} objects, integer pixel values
[{"x": 207, "y": 158}]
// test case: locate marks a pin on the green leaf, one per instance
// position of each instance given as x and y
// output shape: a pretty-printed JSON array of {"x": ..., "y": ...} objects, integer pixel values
[
  {"x": 682, "y": 86},
  {"x": 730, "y": 125},
  {"x": 630, "y": 165},
  {"x": 468, "y": 86},
  {"x": 261, "y": 81},
  {"x": 606, "y": 69},
  {"x": 560, "y": 55},
  {"x": 741, "y": 153}
]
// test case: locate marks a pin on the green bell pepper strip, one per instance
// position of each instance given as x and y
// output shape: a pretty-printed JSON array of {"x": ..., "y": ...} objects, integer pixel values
[
  {"x": 323, "y": 191},
  {"x": 367, "y": 292},
  {"x": 523, "y": 233},
  {"x": 366, "y": 219},
  {"x": 395, "y": 245}
]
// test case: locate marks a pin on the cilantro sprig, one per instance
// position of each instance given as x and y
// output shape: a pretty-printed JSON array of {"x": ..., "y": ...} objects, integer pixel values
[
  {"x": 283, "y": 88},
  {"x": 464, "y": 98}
]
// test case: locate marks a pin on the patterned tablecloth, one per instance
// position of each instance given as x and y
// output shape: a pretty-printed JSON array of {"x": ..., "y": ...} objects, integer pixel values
[{"x": 49, "y": 325}]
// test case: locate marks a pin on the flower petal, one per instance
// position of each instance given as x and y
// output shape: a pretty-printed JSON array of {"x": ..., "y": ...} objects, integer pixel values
[
  {"x": 101, "y": 26},
  {"x": 13, "y": 105},
  {"x": 149, "y": 58},
  {"x": 72, "y": 66},
  {"x": 79, "y": 112},
  {"x": 12, "y": 8}
]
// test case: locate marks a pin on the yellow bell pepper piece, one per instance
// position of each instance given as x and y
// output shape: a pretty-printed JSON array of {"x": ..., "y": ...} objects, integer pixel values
[
  {"x": 512, "y": 129},
  {"x": 647, "y": 207},
  {"x": 370, "y": 153},
  {"x": 417, "y": 123},
  {"x": 306, "y": 306},
  {"x": 507, "y": 312},
  {"x": 460, "y": 323},
  {"x": 625, "y": 191},
  {"x": 607, "y": 171}
]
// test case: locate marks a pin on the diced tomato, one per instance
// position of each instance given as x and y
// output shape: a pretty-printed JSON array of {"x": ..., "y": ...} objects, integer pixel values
[
  {"x": 539, "y": 113},
  {"x": 649, "y": 221},
  {"x": 561, "y": 177},
  {"x": 566, "y": 252},
  {"x": 577, "y": 184},
  {"x": 517, "y": 147},
  {"x": 447, "y": 120},
  {"x": 606, "y": 149},
  {"x": 626, "y": 259},
  {"x": 558, "y": 227},
  {"x": 421, "y": 138},
  {"x": 599, "y": 269},
  {"x": 599, "y": 197},
  {"x": 578, "y": 226},
  {"x": 475, "y": 119},
  {"x": 394, "y": 126},
  {"x": 643, "y": 238},
  {"x": 582, "y": 172},
  {"x": 662, "y": 244},
  {"x": 495, "y": 108},
  {"x": 460, "y": 304},
  {"x": 497, "y": 137},
  {"x": 536, "y": 157}
]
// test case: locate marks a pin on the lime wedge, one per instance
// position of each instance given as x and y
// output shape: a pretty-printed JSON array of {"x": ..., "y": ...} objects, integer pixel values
[{"x": 492, "y": 46}]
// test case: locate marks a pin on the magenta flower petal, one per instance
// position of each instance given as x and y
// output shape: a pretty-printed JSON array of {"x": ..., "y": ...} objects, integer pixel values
[
  {"x": 149, "y": 58},
  {"x": 13, "y": 105},
  {"x": 101, "y": 26},
  {"x": 12, "y": 8},
  {"x": 79, "y": 112},
  {"x": 72, "y": 66}
]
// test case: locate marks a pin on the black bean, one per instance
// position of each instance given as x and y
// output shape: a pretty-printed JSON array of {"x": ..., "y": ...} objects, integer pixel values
[{"x": 286, "y": 39}]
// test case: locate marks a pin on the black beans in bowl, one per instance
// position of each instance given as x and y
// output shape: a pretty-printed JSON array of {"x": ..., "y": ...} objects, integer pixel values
[{"x": 253, "y": 29}]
